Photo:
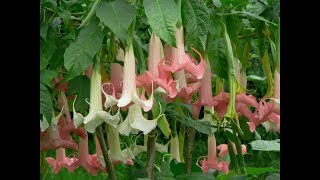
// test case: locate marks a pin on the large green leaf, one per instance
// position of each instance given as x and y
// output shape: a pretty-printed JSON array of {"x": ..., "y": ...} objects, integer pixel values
[
  {"x": 162, "y": 16},
  {"x": 263, "y": 145},
  {"x": 195, "y": 17},
  {"x": 46, "y": 77},
  {"x": 43, "y": 30},
  {"x": 45, "y": 102},
  {"x": 80, "y": 86},
  {"x": 57, "y": 58},
  {"x": 216, "y": 59},
  {"x": 255, "y": 171},
  {"x": 201, "y": 126},
  {"x": 47, "y": 48},
  {"x": 256, "y": 7},
  {"x": 66, "y": 16},
  {"x": 79, "y": 55},
  {"x": 117, "y": 15}
]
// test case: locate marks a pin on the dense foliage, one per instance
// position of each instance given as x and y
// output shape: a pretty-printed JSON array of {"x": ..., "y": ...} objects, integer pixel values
[{"x": 159, "y": 89}]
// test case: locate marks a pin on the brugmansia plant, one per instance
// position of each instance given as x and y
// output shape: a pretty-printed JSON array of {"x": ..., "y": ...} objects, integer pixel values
[{"x": 159, "y": 89}]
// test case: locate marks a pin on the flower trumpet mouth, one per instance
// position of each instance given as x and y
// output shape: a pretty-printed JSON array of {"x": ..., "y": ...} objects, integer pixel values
[{"x": 135, "y": 122}]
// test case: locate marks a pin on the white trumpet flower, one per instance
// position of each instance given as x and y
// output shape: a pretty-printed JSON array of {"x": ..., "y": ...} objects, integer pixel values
[
  {"x": 96, "y": 114},
  {"x": 129, "y": 90},
  {"x": 136, "y": 122}
]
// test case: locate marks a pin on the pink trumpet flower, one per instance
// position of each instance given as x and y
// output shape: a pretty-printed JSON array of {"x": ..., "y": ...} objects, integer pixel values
[
  {"x": 154, "y": 74},
  {"x": 266, "y": 108},
  {"x": 224, "y": 149},
  {"x": 205, "y": 93},
  {"x": 56, "y": 137},
  {"x": 221, "y": 102},
  {"x": 129, "y": 90},
  {"x": 116, "y": 77},
  {"x": 97, "y": 159},
  {"x": 213, "y": 162},
  {"x": 180, "y": 60},
  {"x": 85, "y": 159},
  {"x": 61, "y": 161}
]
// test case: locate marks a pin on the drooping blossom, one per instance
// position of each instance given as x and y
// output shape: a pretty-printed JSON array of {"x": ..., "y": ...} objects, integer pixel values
[
  {"x": 116, "y": 155},
  {"x": 213, "y": 162},
  {"x": 205, "y": 92},
  {"x": 136, "y": 122},
  {"x": 154, "y": 73},
  {"x": 96, "y": 114},
  {"x": 129, "y": 90},
  {"x": 85, "y": 159},
  {"x": 224, "y": 149},
  {"x": 55, "y": 136},
  {"x": 179, "y": 60},
  {"x": 61, "y": 161}
]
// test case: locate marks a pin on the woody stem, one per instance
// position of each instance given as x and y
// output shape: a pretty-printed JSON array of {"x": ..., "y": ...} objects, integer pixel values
[{"x": 104, "y": 148}]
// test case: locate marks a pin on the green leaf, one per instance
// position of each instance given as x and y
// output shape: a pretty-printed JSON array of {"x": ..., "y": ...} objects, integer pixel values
[
  {"x": 138, "y": 53},
  {"x": 57, "y": 58},
  {"x": 253, "y": 16},
  {"x": 217, "y": 3},
  {"x": 53, "y": 2},
  {"x": 117, "y": 15},
  {"x": 43, "y": 30},
  {"x": 247, "y": 135},
  {"x": 195, "y": 176},
  {"x": 79, "y": 55},
  {"x": 165, "y": 173},
  {"x": 229, "y": 54},
  {"x": 255, "y": 171},
  {"x": 47, "y": 48},
  {"x": 90, "y": 14},
  {"x": 80, "y": 86},
  {"x": 65, "y": 15},
  {"x": 45, "y": 102},
  {"x": 263, "y": 145},
  {"x": 255, "y": 78},
  {"x": 256, "y": 7},
  {"x": 230, "y": 136},
  {"x": 46, "y": 76},
  {"x": 163, "y": 17},
  {"x": 195, "y": 17},
  {"x": 164, "y": 126},
  {"x": 201, "y": 126},
  {"x": 56, "y": 21},
  {"x": 70, "y": 36},
  {"x": 217, "y": 62}
]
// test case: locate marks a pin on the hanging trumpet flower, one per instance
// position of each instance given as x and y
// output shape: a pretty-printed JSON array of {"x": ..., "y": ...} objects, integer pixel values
[
  {"x": 96, "y": 114},
  {"x": 154, "y": 73},
  {"x": 129, "y": 90},
  {"x": 136, "y": 122}
]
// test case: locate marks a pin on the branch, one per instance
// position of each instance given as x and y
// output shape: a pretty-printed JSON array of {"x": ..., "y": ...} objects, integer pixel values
[
  {"x": 104, "y": 148},
  {"x": 190, "y": 140},
  {"x": 151, "y": 153}
]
